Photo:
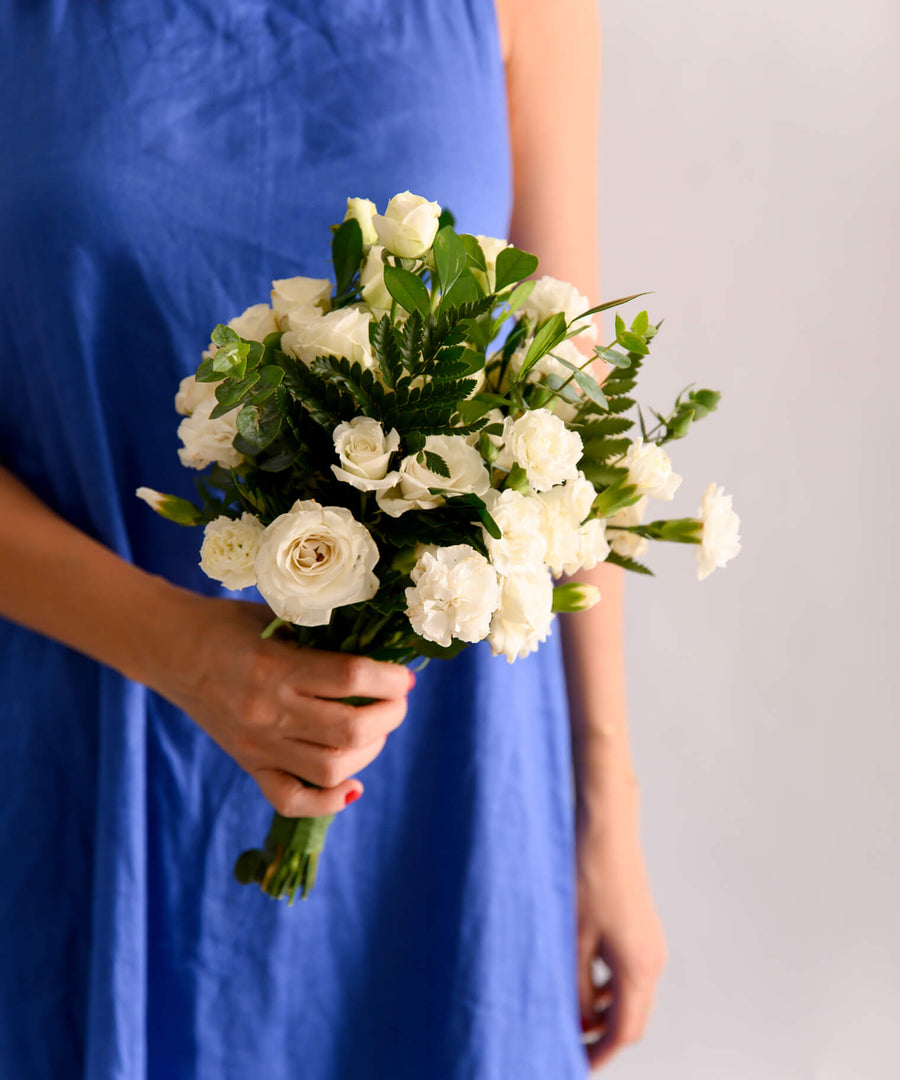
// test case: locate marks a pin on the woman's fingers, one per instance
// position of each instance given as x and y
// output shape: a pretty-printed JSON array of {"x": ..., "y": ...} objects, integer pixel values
[
  {"x": 337, "y": 724},
  {"x": 621, "y": 1021},
  {"x": 291, "y": 798},
  {"x": 335, "y": 675},
  {"x": 323, "y": 765}
]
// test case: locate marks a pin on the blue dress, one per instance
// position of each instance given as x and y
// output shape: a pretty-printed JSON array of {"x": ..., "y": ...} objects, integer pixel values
[{"x": 160, "y": 164}]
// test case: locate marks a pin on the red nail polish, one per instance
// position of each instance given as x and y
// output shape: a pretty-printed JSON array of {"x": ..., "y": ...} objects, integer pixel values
[{"x": 352, "y": 796}]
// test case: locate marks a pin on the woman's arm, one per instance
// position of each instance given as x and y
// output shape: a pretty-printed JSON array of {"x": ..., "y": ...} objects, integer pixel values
[
  {"x": 552, "y": 53},
  {"x": 265, "y": 707}
]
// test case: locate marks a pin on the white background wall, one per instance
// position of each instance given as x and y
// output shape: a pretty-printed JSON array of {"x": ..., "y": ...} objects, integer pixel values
[{"x": 750, "y": 176}]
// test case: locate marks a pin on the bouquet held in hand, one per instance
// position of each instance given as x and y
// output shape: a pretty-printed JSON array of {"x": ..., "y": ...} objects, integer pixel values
[{"x": 403, "y": 461}]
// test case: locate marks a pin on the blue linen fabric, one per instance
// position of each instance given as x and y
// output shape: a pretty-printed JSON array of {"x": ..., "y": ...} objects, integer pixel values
[{"x": 160, "y": 163}]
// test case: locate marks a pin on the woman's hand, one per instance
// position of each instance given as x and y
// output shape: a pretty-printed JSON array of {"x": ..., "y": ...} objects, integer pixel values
[
  {"x": 266, "y": 703},
  {"x": 617, "y": 923}
]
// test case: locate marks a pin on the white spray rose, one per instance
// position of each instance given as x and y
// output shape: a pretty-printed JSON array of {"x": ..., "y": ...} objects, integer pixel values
[
  {"x": 572, "y": 543},
  {"x": 525, "y": 615},
  {"x": 467, "y": 474},
  {"x": 344, "y": 332},
  {"x": 408, "y": 226},
  {"x": 371, "y": 280},
  {"x": 204, "y": 440},
  {"x": 255, "y": 323},
  {"x": 650, "y": 470},
  {"x": 314, "y": 559},
  {"x": 229, "y": 550},
  {"x": 543, "y": 446},
  {"x": 298, "y": 292},
  {"x": 491, "y": 247},
  {"x": 363, "y": 210},
  {"x": 454, "y": 594},
  {"x": 628, "y": 545},
  {"x": 365, "y": 452},
  {"x": 522, "y": 543},
  {"x": 720, "y": 539},
  {"x": 551, "y": 295}
]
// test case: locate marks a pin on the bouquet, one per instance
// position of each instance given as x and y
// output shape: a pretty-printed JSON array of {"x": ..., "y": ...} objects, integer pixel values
[{"x": 403, "y": 461}]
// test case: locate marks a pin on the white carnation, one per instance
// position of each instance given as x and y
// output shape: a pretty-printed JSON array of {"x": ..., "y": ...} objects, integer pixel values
[
  {"x": 408, "y": 226},
  {"x": 650, "y": 470},
  {"x": 550, "y": 295},
  {"x": 344, "y": 332},
  {"x": 628, "y": 545},
  {"x": 255, "y": 323},
  {"x": 365, "y": 452},
  {"x": 204, "y": 440},
  {"x": 229, "y": 550},
  {"x": 454, "y": 595},
  {"x": 314, "y": 559},
  {"x": 522, "y": 543},
  {"x": 543, "y": 446},
  {"x": 298, "y": 292},
  {"x": 572, "y": 542},
  {"x": 363, "y": 210},
  {"x": 720, "y": 539},
  {"x": 414, "y": 479},
  {"x": 525, "y": 615}
]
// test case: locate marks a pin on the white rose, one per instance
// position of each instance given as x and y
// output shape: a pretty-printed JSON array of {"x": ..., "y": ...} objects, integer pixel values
[
  {"x": 455, "y": 592},
  {"x": 628, "y": 545},
  {"x": 572, "y": 543},
  {"x": 205, "y": 440},
  {"x": 467, "y": 474},
  {"x": 543, "y": 446},
  {"x": 371, "y": 280},
  {"x": 720, "y": 539},
  {"x": 491, "y": 247},
  {"x": 551, "y": 295},
  {"x": 363, "y": 210},
  {"x": 229, "y": 550},
  {"x": 344, "y": 332},
  {"x": 313, "y": 559},
  {"x": 522, "y": 543},
  {"x": 408, "y": 226},
  {"x": 255, "y": 323},
  {"x": 525, "y": 615},
  {"x": 650, "y": 470},
  {"x": 295, "y": 292},
  {"x": 365, "y": 452}
]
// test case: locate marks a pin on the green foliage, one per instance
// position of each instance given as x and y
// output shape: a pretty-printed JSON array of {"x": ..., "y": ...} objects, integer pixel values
[
  {"x": 514, "y": 265},
  {"x": 346, "y": 254},
  {"x": 628, "y": 564},
  {"x": 407, "y": 289}
]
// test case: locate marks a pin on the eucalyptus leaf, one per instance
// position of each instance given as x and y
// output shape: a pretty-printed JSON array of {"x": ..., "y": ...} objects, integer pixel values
[
  {"x": 613, "y": 356},
  {"x": 640, "y": 323},
  {"x": 586, "y": 381},
  {"x": 632, "y": 342}
]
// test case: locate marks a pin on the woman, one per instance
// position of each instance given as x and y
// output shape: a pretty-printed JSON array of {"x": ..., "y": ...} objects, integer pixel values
[{"x": 166, "y": 162}]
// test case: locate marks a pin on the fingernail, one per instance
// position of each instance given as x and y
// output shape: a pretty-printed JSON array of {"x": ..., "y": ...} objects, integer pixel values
[{"x": 352, "y": 796}]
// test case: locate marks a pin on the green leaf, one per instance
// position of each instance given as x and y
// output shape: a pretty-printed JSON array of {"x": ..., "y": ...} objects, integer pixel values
[
  {"x": 632, "y": 342},
  {"x": 513, "y": 265},
  {"x": 609, "y": 304},
  {"x": 474, "y": 254},
  {"x": 231, "y": 392},
  {"x": 604, "y": 449},
  {"x": 346, "y": 254},
  {"x": 463, "y": 291},
  {"x": 704, "y": 401},
  {"x": 607, "y": 425},
  {"x": 474, "y": 502},
  {"x": 640, "y": 323},
  {"x": 550, "y": 334},
  {"x": 613, "y": 356},
  {"x": 619, "y": 404},
  {"x": 680, "y": 425},
  {"x": 436, "y": 464},
  {"x": 627, "y": 564},
  {"x": 223, "y": 335},
  {"x": 586, "y": 381},
  {"x": 520, "y": 295},
  {"x": 446, "y": 219},
  {"x": 449, "y": 258},
  {"x": 437, "y": 652},
  {"x": 258, "y": 428},
  {"x": 407, "y": 289},
  {"x": 517, "y": 479},
  {"x": 616, "y": 497},
  {"x": 270, "y": 378}
]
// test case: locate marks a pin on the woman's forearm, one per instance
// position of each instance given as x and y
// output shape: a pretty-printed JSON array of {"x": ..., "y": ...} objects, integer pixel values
[
  {"x": 62, "y": 583},
  {"x": 595, "y": 678}
]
